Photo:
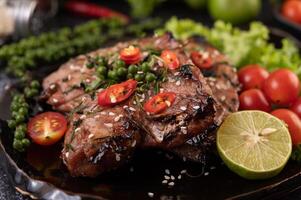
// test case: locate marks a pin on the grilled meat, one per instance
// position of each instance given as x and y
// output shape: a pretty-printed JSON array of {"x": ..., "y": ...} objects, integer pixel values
[{"x": 100, "y": 139}]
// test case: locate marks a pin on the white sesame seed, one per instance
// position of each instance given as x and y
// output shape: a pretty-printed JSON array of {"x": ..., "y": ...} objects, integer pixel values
[
  {"x": 196, "y": 107},
  {"x": 212, "y": 167},
  {"x": 164, "y": 182},
  {"x": 140, "y": 72},
  {"x": 141, "y": 100},
  {"x": 83, "y": 117},
  {"x": 150, "y": 194},
  {"x": 77, "y": 129},
  {"x": 172, "y": 177},
  {"x": 161, "y": 90},
  {"x": 67, "y": 154},
  {"x": 178, "y": 83},
  {"x": 69, "y": 77},
  {"x": 111, "y": 114},
  {"x": 171, "y": 183},
  {"x": 117, "y": 157},
  {"x": 166, "y": 177},
  {"x": 103, "y": 113},
  {"x": 90, "y": 136},
  {"x": 206, "y": 173},
  {"x": 223, "y": 98},
  {"x": 183, "y": 108},
  {"x": 184, "y": 171},
  {"x": 55, "y": 100},
  {"x": 116, "y": 119},
  {"x": 97, "y": 116},
  {"x": 134, "y": 143},
  {"x": 52, "y": 86},
  {"x": 110, "y": 125},
  {"x": 180, "y": 176},
  {"x": 88, "y": 80},
  {"x": 84, "y": 98},
  {"x": 124, "y": 107},
  {"x": 132, "y": 109},
  {"x": 134, "y": 102},
  {"x": 177, "y": 73},
  {"x": 167, "y": 171}
]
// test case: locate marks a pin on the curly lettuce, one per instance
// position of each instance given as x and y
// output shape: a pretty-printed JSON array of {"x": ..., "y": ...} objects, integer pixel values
[{"x": 241, "y": 46}]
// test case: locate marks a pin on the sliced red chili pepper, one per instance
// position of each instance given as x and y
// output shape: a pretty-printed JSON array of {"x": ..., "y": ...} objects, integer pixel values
[
  {"x": 201, "y": 61},
  {"x": 117, "y": 93},
  {"x": 160, "y": 102},
  {"x": 130, "y": 55},
  {"x": 170, "y": 59}
]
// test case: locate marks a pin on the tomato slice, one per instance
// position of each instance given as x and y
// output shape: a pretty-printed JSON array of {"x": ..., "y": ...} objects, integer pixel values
[
  {"x": 170, "y": 59},
  {"x": 130, "y": 55},
  {"x": 160, "y": 102},
  {"x": 117, "y": 93},
  {"x": 202, "y": 61},
  {"x": 47, "y": 128}
]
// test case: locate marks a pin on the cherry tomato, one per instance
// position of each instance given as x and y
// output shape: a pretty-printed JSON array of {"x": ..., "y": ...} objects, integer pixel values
[
  {"x": 160, "y": 102},
  {"x": 202, "y": 61},
  {"x": 117, "y": 93},
  {"x": 282, "y": 87},
  {"x": 130, "y": 55},
  {"x": 253, "y": 99},
  {"x": 252, "y": 76},
  {"x": 47, "y": 128},
  {"x": 292, "y": 10},
  {"x": 293, "y": 122},
  {"x": 296, "y": 107},
  {"x": 170, "y": 59}
]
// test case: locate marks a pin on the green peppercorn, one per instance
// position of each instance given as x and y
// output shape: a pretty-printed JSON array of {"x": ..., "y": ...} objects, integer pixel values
[
  {"x": 150, "y": 77},
  {"x": 19, "y": 134},
  {"x": 100, "y": 61},
  {"x": 112, "y": 74},
  {"x": 90, "y": 65},
  {"x": 23, "y": 111},
  {"x": 139, "y": 77},
  {"x": 130, "y": 76},
  {"x": 25, "y": 142},
  {"x": 17, "y": 144},
  {"x": 145, "y": 67},
  {"x": 35, "y": 84},
  {"x": 101, "y": 77},
  {"x": 14, "y": 106},
  {"x": 12, "y": 124},
  {"x": 133, "y": 69},
  {"x": 30, "y": 92},
  {"x": 21, "y": 127},
  {"x": 119, "y": 64},
  {"x": 19, "y": 118},
  {"x": 121, "y": 72},
  {"x": 102, "y": 70}
]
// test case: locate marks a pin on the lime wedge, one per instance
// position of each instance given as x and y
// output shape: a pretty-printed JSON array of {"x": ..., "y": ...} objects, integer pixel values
[{"x": 254, "y": 144}]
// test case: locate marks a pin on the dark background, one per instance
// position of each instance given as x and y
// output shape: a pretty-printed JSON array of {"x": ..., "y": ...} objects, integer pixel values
[{"x": 165, "y": 11}]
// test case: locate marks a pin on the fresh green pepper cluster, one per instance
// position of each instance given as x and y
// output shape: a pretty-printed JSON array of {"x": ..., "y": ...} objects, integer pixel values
[
  {"x": 141, "y": 73},
  {"x": 54, "y": 46},
  {"x": 19, "y": 109}
]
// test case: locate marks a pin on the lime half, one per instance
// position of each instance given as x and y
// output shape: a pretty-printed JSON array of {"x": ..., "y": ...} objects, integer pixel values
[{"x": 254, "y": 144}]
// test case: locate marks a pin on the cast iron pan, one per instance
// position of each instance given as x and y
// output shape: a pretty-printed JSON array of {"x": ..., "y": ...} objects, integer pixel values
[{"x": 40, "y": 173}]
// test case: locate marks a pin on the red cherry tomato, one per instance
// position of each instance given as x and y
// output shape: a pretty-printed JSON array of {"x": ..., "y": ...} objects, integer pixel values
[
  {"x": 253, "y": 99},
  {"x": 117, "y": 93},
  {"x": 293, "y": 122},
  {"x": 160, "y": 102},
  {"x": 170, "y": 59},
  {"x": 130, "y": 55},
  {"x": 282, "y": 87},
  {"x": 202, "y": 61},
  {"x": 47, "y": 128},
  {"x": 296, "y": 107},
  {"x": 292, "y": 10},
  {"x": 252, "y": 76}
]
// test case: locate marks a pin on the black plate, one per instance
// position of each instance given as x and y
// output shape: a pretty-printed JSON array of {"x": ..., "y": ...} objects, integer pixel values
[{"x": 41, "y": 174}]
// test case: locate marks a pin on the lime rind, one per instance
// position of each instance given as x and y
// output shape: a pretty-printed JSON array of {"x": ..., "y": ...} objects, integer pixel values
[{"x": 259, "y": 160}]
